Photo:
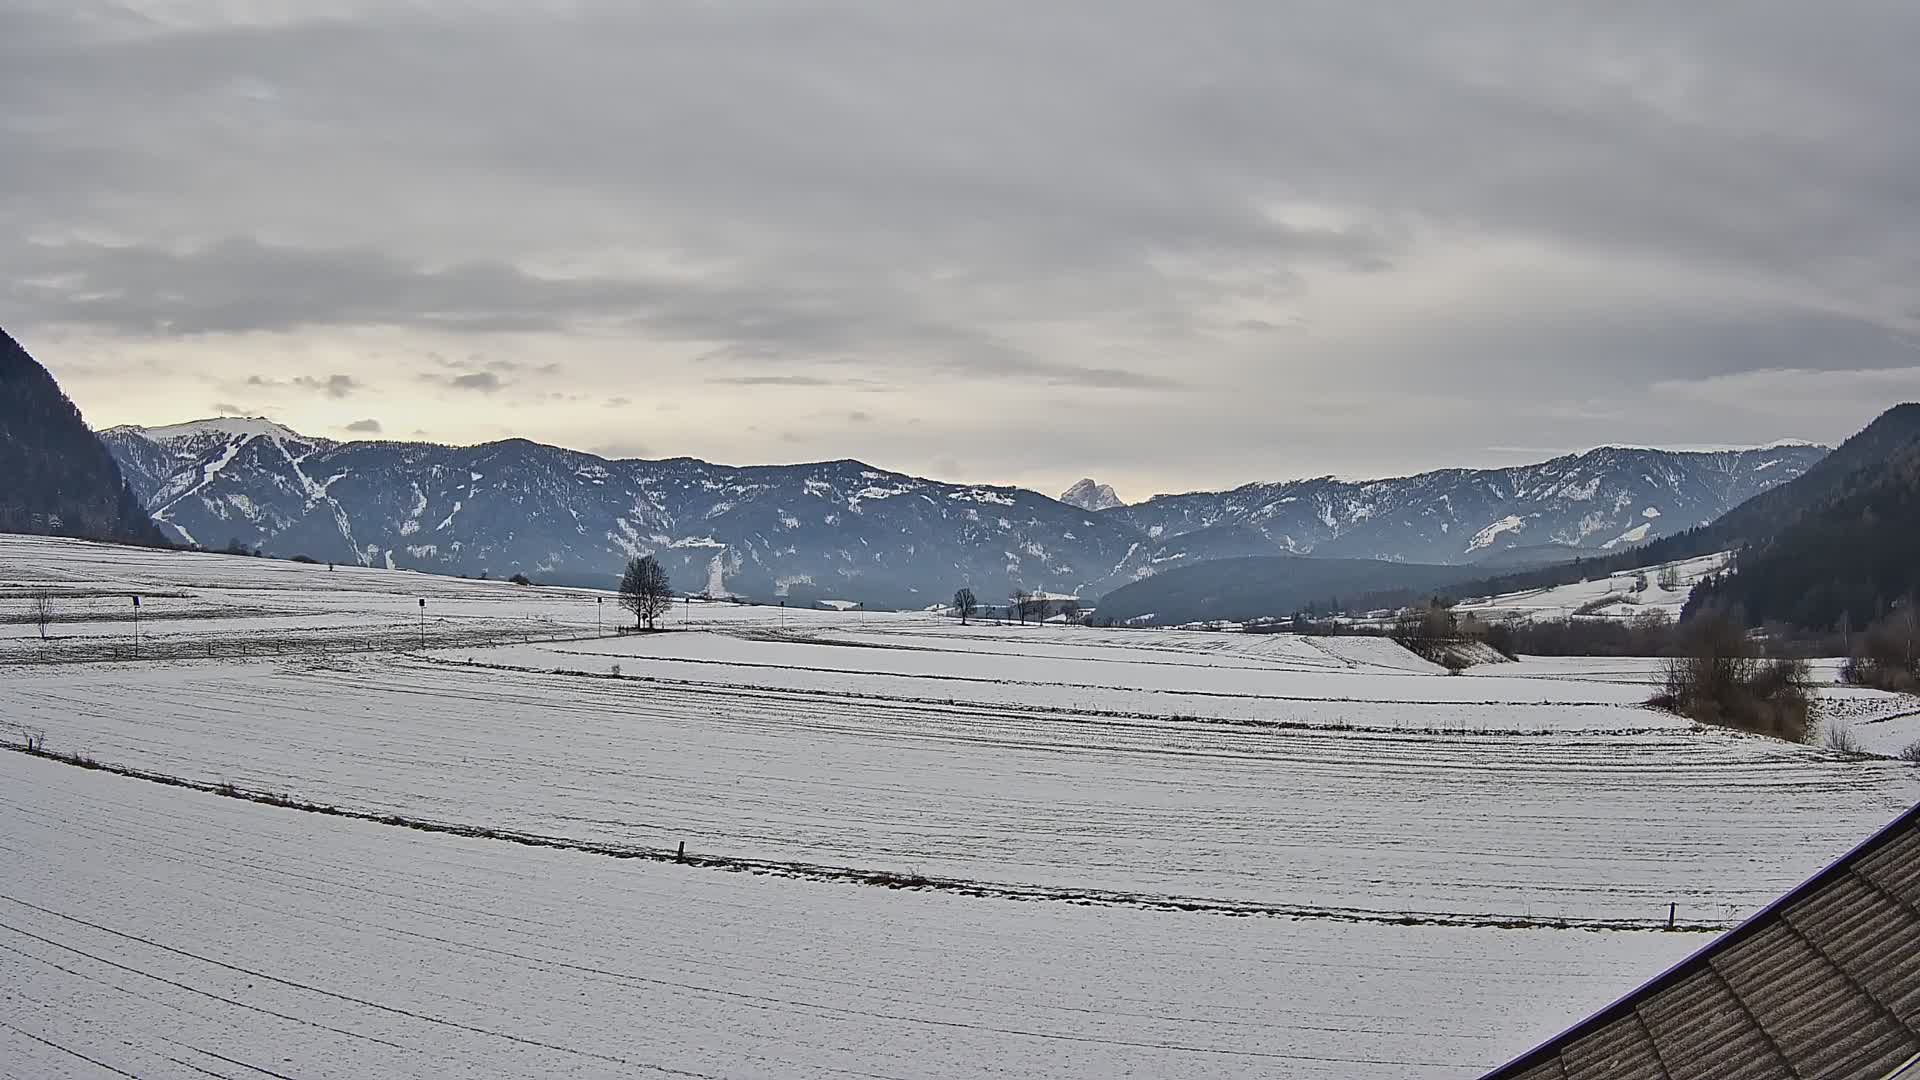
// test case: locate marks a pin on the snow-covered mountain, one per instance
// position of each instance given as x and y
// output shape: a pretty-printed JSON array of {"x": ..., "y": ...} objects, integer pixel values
[
  {"x": 1088, "y": 495},
  {"x": 828, "y": 529},
  {"x": 1604, "y": 499},
  {"x": 846, "y": 530}
]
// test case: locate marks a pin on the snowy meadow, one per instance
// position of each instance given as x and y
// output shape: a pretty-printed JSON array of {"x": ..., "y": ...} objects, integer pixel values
[{"x": 336, "y": 832}]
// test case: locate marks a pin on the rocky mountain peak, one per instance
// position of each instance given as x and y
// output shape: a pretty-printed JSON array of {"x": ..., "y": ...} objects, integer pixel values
[{"x": 1088, "y": 495}]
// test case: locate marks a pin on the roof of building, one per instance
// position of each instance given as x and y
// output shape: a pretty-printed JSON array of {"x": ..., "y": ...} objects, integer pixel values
[{"x": 1823, "y": 983}]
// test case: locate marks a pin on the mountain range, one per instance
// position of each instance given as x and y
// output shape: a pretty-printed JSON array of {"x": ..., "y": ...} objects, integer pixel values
[
  {"x": 843, "y": 529},
  {"x": 1829, "y": 546}
]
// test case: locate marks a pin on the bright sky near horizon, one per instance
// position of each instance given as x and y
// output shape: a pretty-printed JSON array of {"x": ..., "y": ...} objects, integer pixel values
[{"x": 1170, "y": 246}]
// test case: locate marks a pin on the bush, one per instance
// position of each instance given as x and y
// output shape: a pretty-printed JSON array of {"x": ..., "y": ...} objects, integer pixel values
[
  {"x": 1840, "y": 737},
  {"x": 521, "y": 579},
  {"x": 308, "y": 559},
  {"x": 1911, "y": 753},
  {"x": 1887, "y": 655},
  {"x": 1717, "y": 679}
]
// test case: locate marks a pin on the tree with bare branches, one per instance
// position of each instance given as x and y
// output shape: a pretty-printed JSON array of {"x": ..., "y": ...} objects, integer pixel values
[
  {"x": 645, "y": 590},
  {"x": 965, "y": 605},
  {"x": 42, "y": 612}
]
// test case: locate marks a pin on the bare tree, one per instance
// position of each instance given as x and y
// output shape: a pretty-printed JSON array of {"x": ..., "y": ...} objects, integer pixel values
[
  {"x": 965, "y": 604},
  {"x": 1017, "y": 604},
  {"x": 645, "y": 590},
  {"x": 42, "y": 612}
]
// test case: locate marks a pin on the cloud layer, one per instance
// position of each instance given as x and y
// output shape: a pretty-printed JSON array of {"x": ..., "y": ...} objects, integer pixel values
[{"x": 1170, "y": 246}]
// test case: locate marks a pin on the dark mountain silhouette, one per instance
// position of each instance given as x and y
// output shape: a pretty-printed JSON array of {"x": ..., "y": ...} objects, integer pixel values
[
  {"x": 1267, "y": 586},
  {"x": 1843, "y": 562},
  {"x": 56, "y": 477}
]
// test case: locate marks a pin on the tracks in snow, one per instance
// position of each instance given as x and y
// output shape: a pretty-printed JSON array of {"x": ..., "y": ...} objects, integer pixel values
[{"x": 889, "y": 879}]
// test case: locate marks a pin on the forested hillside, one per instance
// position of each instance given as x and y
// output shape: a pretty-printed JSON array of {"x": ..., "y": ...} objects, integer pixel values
[
  {"x": 1844, "y": 563},
  {"x": 56, "y": 478}
]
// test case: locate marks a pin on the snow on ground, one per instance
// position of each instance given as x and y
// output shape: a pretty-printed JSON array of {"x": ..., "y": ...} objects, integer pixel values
[
  {"x": 1331, "y": 788},
  {"x": 1587, "y": 597},
  {"x": 1384, "y": 824},
  {"x": 162, "y": 932},
  {"x": 1880, "y": 722}
]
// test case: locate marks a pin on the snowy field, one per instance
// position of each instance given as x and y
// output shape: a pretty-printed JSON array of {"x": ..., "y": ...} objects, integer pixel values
[
  {"x": 1610, "y": 597},
  {"x": 166, "y": 933},
  {"x": 1156, "y": 852}
]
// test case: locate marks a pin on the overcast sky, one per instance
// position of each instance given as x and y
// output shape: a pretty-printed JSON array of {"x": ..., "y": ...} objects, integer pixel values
[{"x": 1168, "y": 245}]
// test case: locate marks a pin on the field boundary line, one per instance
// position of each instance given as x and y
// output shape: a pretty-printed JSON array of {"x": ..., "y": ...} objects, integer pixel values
[{"x": 890, "y": 879}]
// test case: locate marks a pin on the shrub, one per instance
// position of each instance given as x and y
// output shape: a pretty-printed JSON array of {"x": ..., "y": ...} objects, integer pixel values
[
  {"x": 1887, "y": 655},
  {"x": 521, "y": 579},
  {"x": 1840, "y": 737},
  {"x": 1911, "y": 753},
  {"x": 308, "y": 559},
  {"x": 1718, "y": 679}
]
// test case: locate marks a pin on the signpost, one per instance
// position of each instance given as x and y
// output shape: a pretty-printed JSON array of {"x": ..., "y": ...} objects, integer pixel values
[
  {"x": 423, "y": 622},
  {"x": 599, "y": 605},
  {"x": 136, "y": 627}
]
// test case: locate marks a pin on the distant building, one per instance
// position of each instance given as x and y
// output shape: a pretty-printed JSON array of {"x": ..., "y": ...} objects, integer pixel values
[{"x": 1824, "y": 983}]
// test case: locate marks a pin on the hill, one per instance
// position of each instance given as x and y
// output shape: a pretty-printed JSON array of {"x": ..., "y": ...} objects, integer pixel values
[
  {"x": 1752, "y": 524},
  {"x": 1844, "y": 562},
  {"x": 59, "y": 480},
  {"x": 1608, "y": 499},
  {"x": 1266, "y": 586}
]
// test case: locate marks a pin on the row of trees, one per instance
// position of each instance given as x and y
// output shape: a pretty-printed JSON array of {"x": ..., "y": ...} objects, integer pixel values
[
  {"x": 1021, "y": 604},
  {"x": 1887, "y": 653}
]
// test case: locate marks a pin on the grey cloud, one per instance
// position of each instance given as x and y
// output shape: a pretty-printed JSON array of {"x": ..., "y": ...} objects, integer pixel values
[
  {"x": 333, "y": 386},
  {"x": 365, "y": 427},
  {"x": 1084, "y": 204},
  {"x": 771, "y": 380},
  {"x": 485, "y": 382}
]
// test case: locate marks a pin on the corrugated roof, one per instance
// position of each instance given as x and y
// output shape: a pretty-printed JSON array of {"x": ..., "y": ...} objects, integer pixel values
[{"x": 1824, "y": 983}]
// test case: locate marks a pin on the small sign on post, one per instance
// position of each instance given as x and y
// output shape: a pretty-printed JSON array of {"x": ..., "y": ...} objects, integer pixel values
[{"x": 136, "y": 627}]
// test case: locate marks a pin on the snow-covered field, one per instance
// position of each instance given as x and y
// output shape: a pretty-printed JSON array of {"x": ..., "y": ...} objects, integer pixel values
[
  {"x": 1077, "y": 815},
  {"x": 167, "y": 933},
  {"x": 1613, "y": 596}
]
